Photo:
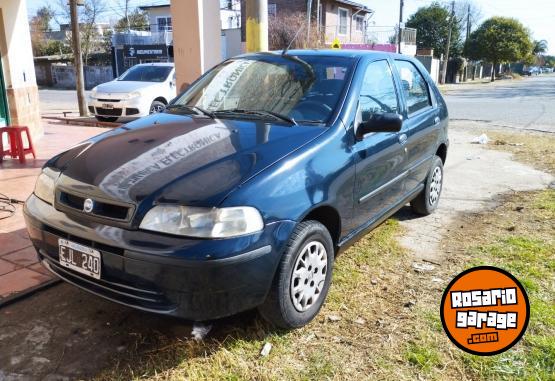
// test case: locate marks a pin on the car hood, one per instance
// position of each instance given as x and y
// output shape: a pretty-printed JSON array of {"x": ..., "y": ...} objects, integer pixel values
[
  {"x": 172, "y": 158},
  {"x": 123, "y": 86}
]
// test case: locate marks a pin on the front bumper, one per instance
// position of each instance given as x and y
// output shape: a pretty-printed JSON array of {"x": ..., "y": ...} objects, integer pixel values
[
  {"x": 135, "y": 107},
  {"x": 194, "y": 279}
]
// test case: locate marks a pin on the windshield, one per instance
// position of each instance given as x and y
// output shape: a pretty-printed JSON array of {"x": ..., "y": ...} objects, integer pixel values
[
  {"x": 146, "y": 74},
  {"x": 303, "y": 88}
]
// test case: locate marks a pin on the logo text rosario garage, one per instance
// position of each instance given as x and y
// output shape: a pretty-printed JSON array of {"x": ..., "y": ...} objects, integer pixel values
[{"x": 485, "y": 310}]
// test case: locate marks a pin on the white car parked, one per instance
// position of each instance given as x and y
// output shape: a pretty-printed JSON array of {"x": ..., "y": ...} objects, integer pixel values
[{"x": 142, "y": 90}]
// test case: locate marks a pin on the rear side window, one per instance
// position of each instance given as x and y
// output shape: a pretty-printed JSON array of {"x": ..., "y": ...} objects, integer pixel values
[
  {"x": 378, "y": 95},
  {"x": 415, "y": 88}
]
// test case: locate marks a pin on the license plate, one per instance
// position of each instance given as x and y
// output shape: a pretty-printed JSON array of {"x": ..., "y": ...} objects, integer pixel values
[
  {"x": 107, "y": 105},
  {"x": 83, "y": 259}
]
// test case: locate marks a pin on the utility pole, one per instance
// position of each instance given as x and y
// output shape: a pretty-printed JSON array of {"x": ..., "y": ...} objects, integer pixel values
[
  {"x": 78, "y": 59},
  {"x": 257, "y": 25},
  {"x": 309, "y": 20},
  {"x": 400, "y": 34},
  {"x": 468, "y": 24},
  {"x": 448, "y": 45}
]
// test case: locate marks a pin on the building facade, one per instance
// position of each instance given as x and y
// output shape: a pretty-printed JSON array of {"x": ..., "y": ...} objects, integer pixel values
[{"x": 19, "y": 99}]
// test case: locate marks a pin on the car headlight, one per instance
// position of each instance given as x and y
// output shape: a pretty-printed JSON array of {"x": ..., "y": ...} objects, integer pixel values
[
  {"x": 203, "y": 222},
  {"x": 44, "y": 187},
  {"x": 134, "y": 94},
  {"x": 93, "y": 93}
]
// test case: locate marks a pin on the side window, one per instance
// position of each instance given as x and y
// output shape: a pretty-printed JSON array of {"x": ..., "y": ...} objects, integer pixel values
[
  {"x": 415, "y": 88},
  {"x": 378, "y": 95}
]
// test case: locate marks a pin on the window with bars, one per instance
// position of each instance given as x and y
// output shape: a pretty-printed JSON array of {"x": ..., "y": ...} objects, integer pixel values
[{"x": 164, "y": 24}]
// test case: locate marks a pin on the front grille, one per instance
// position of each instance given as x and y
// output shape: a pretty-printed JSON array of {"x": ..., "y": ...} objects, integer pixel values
[
  {"x": 108, "y": 100},
  {"x": 109, "y": 111},
  {"x": 100, "y": 208}
]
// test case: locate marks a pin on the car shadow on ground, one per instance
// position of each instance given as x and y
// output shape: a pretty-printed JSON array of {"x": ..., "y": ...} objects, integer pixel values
[{"x": 66, "y": 333}]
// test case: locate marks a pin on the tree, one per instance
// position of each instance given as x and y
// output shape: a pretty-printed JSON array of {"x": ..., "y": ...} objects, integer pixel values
[
  {"x": 39, "y": 25},
  {"x": 432, "y": 24},
  {"x": 539, "y": 47},
  {"x": 136, "y": 20},
  {"x": 499, "y": 40},
  {"x": 88, "y": 14}
]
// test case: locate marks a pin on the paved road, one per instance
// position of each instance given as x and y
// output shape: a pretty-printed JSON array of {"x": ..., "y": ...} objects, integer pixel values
[
  {"x": 55, "y": 102},
  {"x": 522, "y": 104}
]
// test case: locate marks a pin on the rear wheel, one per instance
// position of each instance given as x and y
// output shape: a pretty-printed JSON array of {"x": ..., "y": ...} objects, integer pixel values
[
  {"x": 106, "y": 118},
  {"x": 427, "y": 201},
  {"x": 303, "y": 277}
]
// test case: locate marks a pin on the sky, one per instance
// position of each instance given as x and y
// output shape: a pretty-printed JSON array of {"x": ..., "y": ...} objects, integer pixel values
[{"x": 537, "y": 15}]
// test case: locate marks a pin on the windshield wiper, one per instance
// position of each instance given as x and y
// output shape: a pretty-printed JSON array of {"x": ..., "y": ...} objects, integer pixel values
[
  {"x": 258, "y": 113},
  {"x": 195, "y": 109}
]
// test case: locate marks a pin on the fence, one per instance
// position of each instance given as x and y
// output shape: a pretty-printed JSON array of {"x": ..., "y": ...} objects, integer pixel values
[{"x": 63, "y": 76}]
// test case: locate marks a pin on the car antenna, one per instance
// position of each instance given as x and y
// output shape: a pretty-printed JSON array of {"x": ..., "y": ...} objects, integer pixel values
[{"x": 284, "y": 52}]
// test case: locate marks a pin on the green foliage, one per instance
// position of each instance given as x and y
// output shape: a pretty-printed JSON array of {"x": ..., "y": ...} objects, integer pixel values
[
  {"x": 539, "y": 47},
  {"x": 53, "y": 47},
  {"x": 138, "y": 20},
  {"x": 432, "y": 24},
  {"x": 499, "y": 40}
]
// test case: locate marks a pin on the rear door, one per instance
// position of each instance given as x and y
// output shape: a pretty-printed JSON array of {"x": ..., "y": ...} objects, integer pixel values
[
  {"x": 422, "y": 121},
  {"x": 380, "y": 156}
]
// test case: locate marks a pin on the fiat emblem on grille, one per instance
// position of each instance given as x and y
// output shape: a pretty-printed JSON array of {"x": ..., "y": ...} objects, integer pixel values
[{"x": 88, "y": 205}]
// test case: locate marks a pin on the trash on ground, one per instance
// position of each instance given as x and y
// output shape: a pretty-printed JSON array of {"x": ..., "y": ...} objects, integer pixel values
[
  {"x": 422, "y": 267},
  {"x": 200, "y": 331},
  {"x": 334, "y": 317},
  {"x": 482, "y": 139},
  {"x": 266, "y": 349}
]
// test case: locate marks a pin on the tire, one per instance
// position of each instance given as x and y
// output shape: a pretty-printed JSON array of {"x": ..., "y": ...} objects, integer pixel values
[
  {"x": 156, "y": 107},
  {"x": 427, "y": 201},
  {"x": 283, "y": 307},
  {"x": 110, "y": 119}
]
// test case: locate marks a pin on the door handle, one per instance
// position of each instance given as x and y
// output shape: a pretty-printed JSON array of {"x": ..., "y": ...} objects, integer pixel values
[{"x": 403, "y": 139}]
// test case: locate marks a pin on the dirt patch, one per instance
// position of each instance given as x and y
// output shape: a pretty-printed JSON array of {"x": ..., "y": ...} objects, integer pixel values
[{"x": 474, "y": 176}]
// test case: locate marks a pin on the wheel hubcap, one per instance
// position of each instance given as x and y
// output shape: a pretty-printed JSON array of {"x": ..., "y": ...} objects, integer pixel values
[
  {"x": 435, "y": 186},
  {"x": 156, "y": 109},
  {"x": 309, "y": 276}
]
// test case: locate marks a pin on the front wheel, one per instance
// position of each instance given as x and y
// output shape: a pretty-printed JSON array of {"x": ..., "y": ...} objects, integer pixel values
[
  {"x": 427, "y": 201},
  {"x": 156, "y": 107},
  {"x": 303, "y": 277}
]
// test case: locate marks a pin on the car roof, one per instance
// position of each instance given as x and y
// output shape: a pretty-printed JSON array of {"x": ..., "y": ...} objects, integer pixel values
[
  {"x": 348, "y": 53},
  {"x": 156, "y": 64}
]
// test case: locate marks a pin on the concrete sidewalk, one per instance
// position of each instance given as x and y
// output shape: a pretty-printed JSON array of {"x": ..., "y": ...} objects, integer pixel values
[{"x": 19, "y": 268}]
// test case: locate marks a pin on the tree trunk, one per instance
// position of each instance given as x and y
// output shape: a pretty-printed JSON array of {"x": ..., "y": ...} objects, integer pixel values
[{"x": 493, "y": 71}]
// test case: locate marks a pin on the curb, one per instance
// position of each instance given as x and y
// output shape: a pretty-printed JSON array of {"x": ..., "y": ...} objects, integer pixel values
[
  {"x": 81, "y": 122},
  {"x": 29, "y": 292}
]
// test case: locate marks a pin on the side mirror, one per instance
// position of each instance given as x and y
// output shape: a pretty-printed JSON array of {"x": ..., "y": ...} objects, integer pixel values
[{"x": 388, "y": 122}]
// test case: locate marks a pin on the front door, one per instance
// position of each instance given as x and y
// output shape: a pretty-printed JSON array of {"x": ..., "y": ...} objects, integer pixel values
[
  {"x": 380, "y": 156},
  {"x": 422, "y": 123}
]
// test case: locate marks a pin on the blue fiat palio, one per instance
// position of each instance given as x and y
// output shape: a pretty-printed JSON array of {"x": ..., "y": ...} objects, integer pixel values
[{"x": 243, "y": 191}]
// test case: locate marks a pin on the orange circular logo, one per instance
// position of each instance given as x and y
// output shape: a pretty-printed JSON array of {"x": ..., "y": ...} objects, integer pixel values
[{"x": 485, "y": 311}]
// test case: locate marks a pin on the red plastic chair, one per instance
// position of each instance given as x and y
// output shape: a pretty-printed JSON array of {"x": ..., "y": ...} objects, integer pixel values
[{"x": 15, "y": 138}]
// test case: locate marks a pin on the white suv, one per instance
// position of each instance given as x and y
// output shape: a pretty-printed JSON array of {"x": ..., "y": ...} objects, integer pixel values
[{"x": 142, "y": 90}]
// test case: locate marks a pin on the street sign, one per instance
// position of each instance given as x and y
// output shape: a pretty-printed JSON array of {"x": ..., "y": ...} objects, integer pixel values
[{"x": 336, "y": 44}]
